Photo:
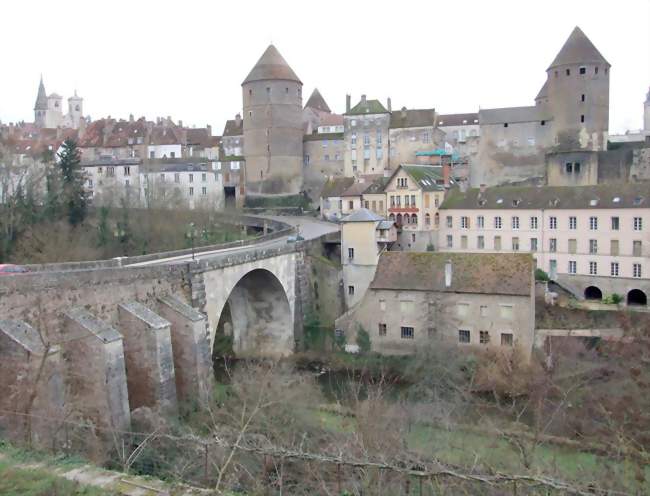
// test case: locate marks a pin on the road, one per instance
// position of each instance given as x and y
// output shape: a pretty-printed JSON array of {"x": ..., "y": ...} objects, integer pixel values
[{"x": 308, "y": 227}]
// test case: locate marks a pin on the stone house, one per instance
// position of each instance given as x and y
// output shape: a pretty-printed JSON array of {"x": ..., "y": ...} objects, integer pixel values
[
  {"x": 366, "y": 138},
  {"x": 593, "y": 240},
  {"x": 331, "y": 201},
  {"x": 364, "y": 236},
  {"x": 232, "y": 139},
  {"x": 412, "y": 131},
  {"x": 413, "y": 194},
  {"x": 470, "y": 299},
  {"x": 374, "y": 197}
]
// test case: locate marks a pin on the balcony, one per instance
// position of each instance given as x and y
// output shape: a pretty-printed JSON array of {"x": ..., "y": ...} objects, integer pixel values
[{"x": 396, "y": 209}]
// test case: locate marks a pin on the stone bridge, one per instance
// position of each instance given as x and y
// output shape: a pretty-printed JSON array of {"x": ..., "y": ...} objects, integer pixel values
[{"x": 141, "y": 330}]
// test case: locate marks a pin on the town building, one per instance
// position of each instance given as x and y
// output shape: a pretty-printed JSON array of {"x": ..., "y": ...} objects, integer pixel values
[
  {"x": 272, "y": 123},
  {"x": 331, "y": 199},
  {"x": 364, "y": 236},
  {"x": 413, "y": 194},
  {"x": 593, "y": 240},
  {"x": 232, "y": 139},
  {"x": 474, "y": 300},
  {"x": 412, "y": 131},
  {"x": 366, "y": 138}
]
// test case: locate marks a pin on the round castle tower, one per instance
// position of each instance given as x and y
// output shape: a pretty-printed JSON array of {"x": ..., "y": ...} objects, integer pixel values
[
  {"x": 272, "y": 102},
  {"x": 577, "y": 86}
]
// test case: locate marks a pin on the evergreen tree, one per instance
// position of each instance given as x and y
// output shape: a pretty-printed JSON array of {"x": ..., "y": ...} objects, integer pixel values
[{"x": 74, "y": 195}]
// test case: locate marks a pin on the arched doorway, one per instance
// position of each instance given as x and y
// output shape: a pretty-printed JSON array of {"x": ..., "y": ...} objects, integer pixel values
[
  {"x": 593, "y": 293},
  {"x": 637, "y": 297},
  {"x": 256, "y": 319}
]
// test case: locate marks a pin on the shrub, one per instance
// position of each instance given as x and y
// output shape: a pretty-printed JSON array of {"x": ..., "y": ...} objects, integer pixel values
[
  {"x": 613, "y": 299},
  {"x": 540, "y": 275},
  {"x": 363, "y": 340}
]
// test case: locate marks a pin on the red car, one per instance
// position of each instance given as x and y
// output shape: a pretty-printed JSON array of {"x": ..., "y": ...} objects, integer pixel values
[{"x": 11, "y": 269}]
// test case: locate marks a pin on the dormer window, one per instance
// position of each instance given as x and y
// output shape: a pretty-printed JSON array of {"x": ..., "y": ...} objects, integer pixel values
[
  {"x": 616, "y": 199},
  {"x": 593, "y": 202},
  {"x": 464, "y": 121},
  {"x": 499, "y": 201},
  {"x": 482, "y": 202},
  {"x": 515, "y": 203},
  {"x": 638, "y": 200}
]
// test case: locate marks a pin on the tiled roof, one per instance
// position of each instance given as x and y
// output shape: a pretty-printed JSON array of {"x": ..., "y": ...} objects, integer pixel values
[
  {"x": 629, "y": 195},
  {"x": 509, "y": 115},
  {"x": 376, "y": 186},
  {"x": 170, "y": 135},
  {"x": 271, "y": 65},
  {"x": 362, "y": 215},
  {"x": 483, "y": 273},
  {"x": 331, "y": 120},
  {"x": 199, "y": 137},
  {"x": 457, "y": 119},
  {"x": 406, "y": 118},
  {"x": 578, "y": 49},
  {"x": 234, "y": 129},
  {"x": 317, "y": 101},
  {"x": 356, "y": 189},
  {"x": 367, "y": 107},
  {"x": 336, "y": 187}
]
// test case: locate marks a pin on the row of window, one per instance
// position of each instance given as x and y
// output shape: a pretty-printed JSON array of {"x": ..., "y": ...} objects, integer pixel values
[
  {"x": 615, "y": 222},
  {"x": 614, "y": 269},
  {"x": 366, "y": 139},
  {"x": 326, "y": 158},
  {"x": 464, "y": 335},
  {"x": 572, "y": 245}
]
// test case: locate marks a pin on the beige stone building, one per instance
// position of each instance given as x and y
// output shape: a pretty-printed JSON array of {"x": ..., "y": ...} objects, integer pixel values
[
  {"x": 413, "y": 194},
  {"x": 412, "y": 131},
  {"x": 364, "y": 236},
  {"x": 471, "y": 299},
  {"x": 593, "y": 240},
  {"x": 331, "y": 199},
  {"x": 366, "y": 138}
]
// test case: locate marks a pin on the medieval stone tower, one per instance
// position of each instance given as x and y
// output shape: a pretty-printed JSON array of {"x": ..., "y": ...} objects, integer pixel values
[
  {"x": 577, "y": 86},
  {"x": 272, "y": 101}
]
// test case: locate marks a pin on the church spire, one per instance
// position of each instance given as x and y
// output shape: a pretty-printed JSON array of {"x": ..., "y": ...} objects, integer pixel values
[{"x": 41, "y": 98}]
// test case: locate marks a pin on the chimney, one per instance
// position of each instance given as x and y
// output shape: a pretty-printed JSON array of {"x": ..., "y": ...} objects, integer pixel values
[
  {"x": 208, "y": 128},
  {"x": 237, "y": 119},
  {"x": 388, "y": 102},
  {"x": 462, "y": 185},
  {"x": 347, "y": 103},
  {"x": 448, "y": 273},
  {"x": 403, "y": 111},
  {"x": 446, "y": 174},
  {"x": 131, "y": 118},
  {"x": 482, "y": 188},
  {"x": 180, "y": 123},
  {"x": 363, "y": 99}
]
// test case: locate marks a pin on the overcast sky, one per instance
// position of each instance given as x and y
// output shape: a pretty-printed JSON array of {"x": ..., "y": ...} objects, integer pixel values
[{"x": 187, "y": 59}]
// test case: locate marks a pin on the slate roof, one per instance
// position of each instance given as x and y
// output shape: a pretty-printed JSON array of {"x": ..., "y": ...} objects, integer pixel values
[
  {"x": 377, "y": 186},
  {"x": 578, "y": 49},
  {"x": 509, "y": 115},
  {"x": 176, "y": 167},
  {"x": 368, "y": 107},
  {"x": 457, "y": 119},
  {"x": 271, "y": 65},
  {"x": 200, "y": 137},
  {"x": 317, "y": 101},
  {"x": 428, "y": 177},
  {"x": 362, "y": 215},
  {"x": 336, "y": 187},
  {"x": 483, "y": 273},
  {"x": 331, "y": 120},
  {"x": 232, "y": 129},
  {"x": 630, "y": 195},
  {"x": 356, "y": 189},
  {"x": 406, "y": 118}
]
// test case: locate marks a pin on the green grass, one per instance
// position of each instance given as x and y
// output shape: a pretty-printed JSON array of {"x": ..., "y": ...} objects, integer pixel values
[{"x": 37, "y": 482}]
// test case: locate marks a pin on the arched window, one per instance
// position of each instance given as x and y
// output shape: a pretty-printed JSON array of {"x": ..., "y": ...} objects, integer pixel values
[
  {"x": 414, "y": 219},
  {"x": 398, "y": 219},
  {"x": 436, "y": 219},
  {"x": 391, "y": 217},
  {"x": 407, "y": 219},
  {"x": 427, "y": 219}
]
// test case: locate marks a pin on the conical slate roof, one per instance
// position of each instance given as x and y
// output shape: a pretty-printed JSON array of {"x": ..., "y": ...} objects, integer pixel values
[
  {"x": 316, "y": 101},
  {"x": 271, "y": 65},
  {"x": 578, "y": 49},
  {"x": 41, "y": 98}
]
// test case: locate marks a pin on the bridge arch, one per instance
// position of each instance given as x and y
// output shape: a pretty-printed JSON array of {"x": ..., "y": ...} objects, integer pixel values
[{"x": 254, "y": 303}]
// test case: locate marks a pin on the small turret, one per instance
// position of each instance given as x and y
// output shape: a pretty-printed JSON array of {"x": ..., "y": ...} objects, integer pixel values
[{"x": 40, "y": 107}]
